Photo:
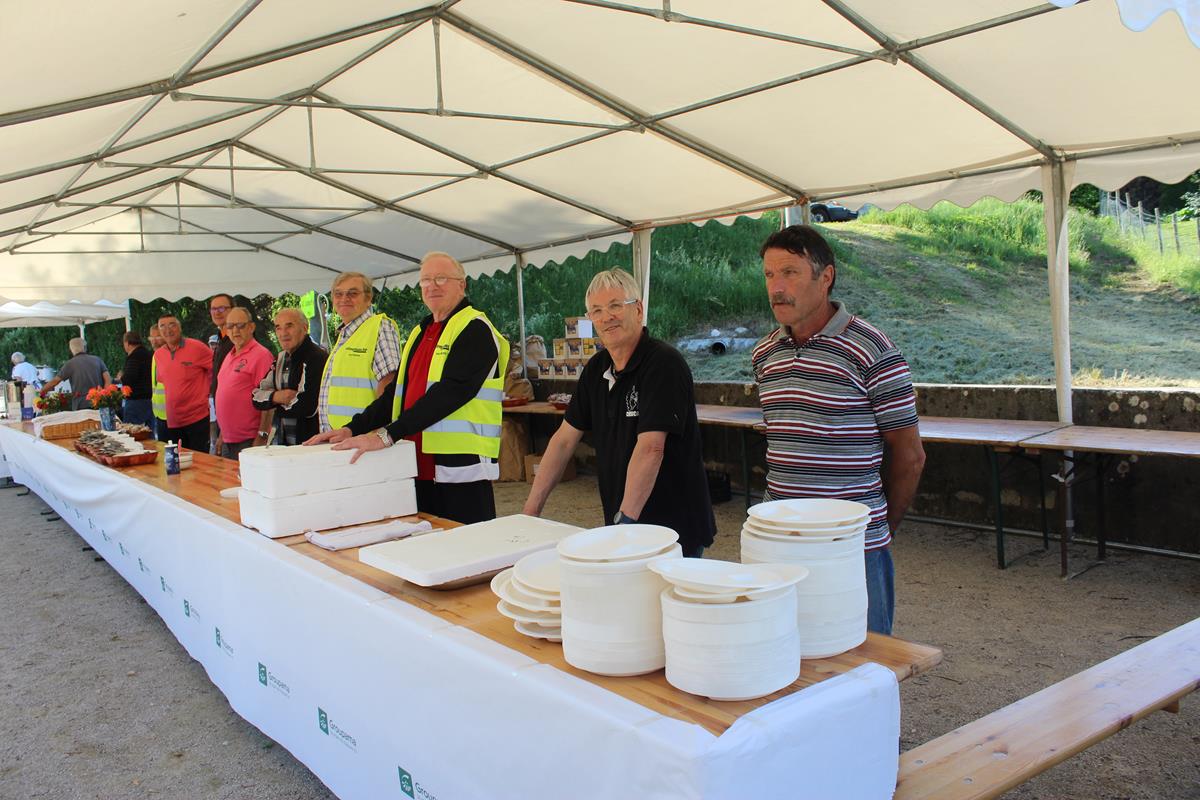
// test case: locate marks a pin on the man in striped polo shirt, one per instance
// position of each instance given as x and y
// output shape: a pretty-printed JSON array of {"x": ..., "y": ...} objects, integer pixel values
[{"x": 838, "y": 402}]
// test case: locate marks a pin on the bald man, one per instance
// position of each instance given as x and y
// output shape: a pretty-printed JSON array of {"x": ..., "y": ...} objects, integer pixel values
[{"x": 292, "y": 388}]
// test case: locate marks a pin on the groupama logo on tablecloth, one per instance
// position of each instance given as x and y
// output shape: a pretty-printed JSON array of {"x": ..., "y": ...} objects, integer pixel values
[
  {"x": 223, "y": 644},
  {"x": 323, "y": 721},
  {"x": 411, "y": 787},
  {"x": 270, "y": 679},
  {"x": 330, "y": 728}
]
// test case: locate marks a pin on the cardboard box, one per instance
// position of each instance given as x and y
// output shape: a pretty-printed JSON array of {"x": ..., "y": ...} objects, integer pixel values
[
  {"x": 571, "y": 368},
  {"x": 574, "y": 348},
  {"x": 590, "y": 346},
  {"x": 531, "y": 466},
  {"x": 547, "y": 368},
  {"x": 579, "y": 327},
  {"x": 560, "y": 348}
]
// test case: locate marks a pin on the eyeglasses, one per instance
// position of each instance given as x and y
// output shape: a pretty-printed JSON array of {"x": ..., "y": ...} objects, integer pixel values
[
  {"x": 237, "y": 326},
  {"x": 219, "y": 309},
  {"x": 438, "y": 280},
  {"x": 167, "y": 325},
  {"x": 348, "y": 294},
  {"x": 612, "y": 309}
]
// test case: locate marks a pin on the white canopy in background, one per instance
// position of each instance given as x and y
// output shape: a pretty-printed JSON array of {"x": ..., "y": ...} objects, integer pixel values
[
  {"x": 48, "y": 315},
  {"x": 168, "y": 148}
]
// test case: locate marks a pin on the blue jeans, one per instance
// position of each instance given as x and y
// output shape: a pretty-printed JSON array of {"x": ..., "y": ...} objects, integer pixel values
[
  {"x": 138, "y": 412},
  {"x": 881, "y": 597}
]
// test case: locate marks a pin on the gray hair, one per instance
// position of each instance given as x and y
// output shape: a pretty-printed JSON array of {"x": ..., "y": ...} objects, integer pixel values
[
  {"x": 18, "y": 357},
  {"x": 77, "y": 346},
  {"x": 458, "y": 267},
  {"x": 367, "y": 288},
  {"x": 293, "y": 312},
  {"x": 614, "y": 279}
]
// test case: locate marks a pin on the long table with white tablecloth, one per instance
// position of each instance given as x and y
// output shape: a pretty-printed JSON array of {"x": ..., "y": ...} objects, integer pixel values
[{"x": 381, "y": 698}]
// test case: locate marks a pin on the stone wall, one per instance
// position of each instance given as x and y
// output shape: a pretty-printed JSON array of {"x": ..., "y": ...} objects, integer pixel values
[{"x": 1151, "y": 501}]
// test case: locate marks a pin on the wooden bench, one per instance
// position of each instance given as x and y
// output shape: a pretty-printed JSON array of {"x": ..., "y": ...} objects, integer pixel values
[{"x": 995, "y": 753}]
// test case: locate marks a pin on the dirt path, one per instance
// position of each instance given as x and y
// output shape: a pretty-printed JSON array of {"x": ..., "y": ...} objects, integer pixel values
[{"x": 102, "y": 702}]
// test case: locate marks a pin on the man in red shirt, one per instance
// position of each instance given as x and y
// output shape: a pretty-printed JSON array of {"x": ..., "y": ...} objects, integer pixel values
[
  {"x": 184, "y": 368},
  {"x": 241, "y": 424}
]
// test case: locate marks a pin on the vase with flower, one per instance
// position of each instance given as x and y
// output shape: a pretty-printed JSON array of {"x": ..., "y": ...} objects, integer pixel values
[{"x": 107, "y": 399}]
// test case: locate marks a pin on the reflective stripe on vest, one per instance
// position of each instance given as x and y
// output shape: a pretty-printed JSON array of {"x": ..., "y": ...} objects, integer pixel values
[
  {"x": 158, "y": 397},
  {"x": 350, "y": 375},
  {"x": 473, "y": 428}
]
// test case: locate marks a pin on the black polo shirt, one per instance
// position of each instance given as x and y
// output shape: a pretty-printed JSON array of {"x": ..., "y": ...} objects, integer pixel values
[{"x": 653, "y": 393}]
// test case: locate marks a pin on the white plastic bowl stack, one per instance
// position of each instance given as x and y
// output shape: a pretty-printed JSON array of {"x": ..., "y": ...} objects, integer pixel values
[
  {"x": 730, "y": 629},
  {"x": 611, "y": 613},
  {"x": 825, "y": 535},
  {"x": 529, "y": 595}
]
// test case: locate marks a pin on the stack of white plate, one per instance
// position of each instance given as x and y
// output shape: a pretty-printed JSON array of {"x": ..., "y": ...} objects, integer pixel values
[
  {"x": 611, "y": 615},
  {"x": 529, "y": 595},
  {"x": 825, "y": 535},
  {"x": 730, "y": 629}
]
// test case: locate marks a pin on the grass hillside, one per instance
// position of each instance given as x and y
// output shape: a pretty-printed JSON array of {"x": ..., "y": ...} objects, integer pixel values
[{"x": 963, "y": 292}]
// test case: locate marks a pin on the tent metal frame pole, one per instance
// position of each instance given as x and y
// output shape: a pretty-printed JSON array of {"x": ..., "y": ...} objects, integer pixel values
[
  {"x": 436, "y": 111},
  {"x": 618, "y": 106},
  {"x": 641, "y": 268},
  {"x": 301, "y": 170},
  {"x": 212, "y": 232},
  {"x": 520, "y": 270},
  {"x": 1055, "y": 195}
]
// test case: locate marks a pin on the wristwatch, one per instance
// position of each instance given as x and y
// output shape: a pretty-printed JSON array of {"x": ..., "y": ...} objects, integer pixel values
[
  {"x": 264, "y": 434},
  {"x": 384, "y": 437},
  {"x": 621, "y": 518}
]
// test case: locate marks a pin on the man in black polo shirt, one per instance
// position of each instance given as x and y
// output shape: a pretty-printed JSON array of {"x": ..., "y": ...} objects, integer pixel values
[{"x": 636, "y": 398}]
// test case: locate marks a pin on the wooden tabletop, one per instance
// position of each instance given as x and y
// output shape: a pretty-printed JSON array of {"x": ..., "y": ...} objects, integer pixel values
[
  {"x": 474, "y": 607},
  {"x": 1125, "y": 441}
]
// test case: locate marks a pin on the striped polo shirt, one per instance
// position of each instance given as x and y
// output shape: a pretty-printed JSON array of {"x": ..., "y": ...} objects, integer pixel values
[{"x": 827, "y": 403}]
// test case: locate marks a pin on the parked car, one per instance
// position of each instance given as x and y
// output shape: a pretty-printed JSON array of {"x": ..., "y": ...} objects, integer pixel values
[{"x": 831, "y": 212}]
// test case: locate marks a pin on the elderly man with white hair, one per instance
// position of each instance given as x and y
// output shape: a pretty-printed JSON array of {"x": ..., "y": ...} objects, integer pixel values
[
  {"x": 291, "y": 389},
  {"x": 22, "y": 370},
  {"x": 84, "y": 371},
  {"x": 637, "y": 399}
]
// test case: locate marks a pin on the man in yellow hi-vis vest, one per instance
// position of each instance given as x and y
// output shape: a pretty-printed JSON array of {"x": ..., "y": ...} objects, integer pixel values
[
  {"x": 446, "y": 399},
  {"x": 363, "y": 359}
]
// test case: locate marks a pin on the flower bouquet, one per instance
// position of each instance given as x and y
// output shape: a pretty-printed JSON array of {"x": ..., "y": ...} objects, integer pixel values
[
  {"x": 52, "y": 403},
  {"x": 107, "y": 399}
]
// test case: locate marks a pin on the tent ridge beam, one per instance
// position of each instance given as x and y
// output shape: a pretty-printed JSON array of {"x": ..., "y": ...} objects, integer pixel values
[
  {"x": 302, "y": 170},
  {"x": 860, "y": 22},
  {"x": 484, "y": 168},
  {"x": 299, "y": 223},
  {"x": 429, "y": 112},
  {"x": 162, "y": 86},
  {"x": 619, "y": 107},
  {"x": 666, "y": 15},
  {"x": 249, "y": 148}
]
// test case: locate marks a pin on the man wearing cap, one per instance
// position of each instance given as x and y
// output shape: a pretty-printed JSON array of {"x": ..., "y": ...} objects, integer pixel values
[
  {"x": 364, "y": 358},
  {"x": 637, "y": 398},
  {"x": 290, "y": 390},
  {"x": 838, "y": 401},
  {"x": 448, "y": 400},
  {"x": 183, "y": 366}
]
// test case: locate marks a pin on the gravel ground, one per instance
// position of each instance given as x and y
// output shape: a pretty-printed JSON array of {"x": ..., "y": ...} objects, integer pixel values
[{"x": 104, "y": 703}]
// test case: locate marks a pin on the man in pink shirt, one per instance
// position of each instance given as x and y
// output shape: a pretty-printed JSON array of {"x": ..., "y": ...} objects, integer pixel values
[
  {"x": 242, "y": 369},
  {"x": 184, "y": 368}
]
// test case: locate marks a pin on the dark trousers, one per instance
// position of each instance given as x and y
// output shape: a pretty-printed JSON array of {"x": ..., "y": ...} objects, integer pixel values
[
  {"x": 193, "y": 437},
  {"x": 138, "y": 412},
  {"x": 160, "y": 429},
  {"x": 230, "y": 450},
  {"x": 461, "y": 502}
]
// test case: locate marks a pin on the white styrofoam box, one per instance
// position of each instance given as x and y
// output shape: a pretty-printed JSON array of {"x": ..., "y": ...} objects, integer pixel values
[
  {"x": 318, "y": 511},
  {"x": 445, "y": 556},
  {"x": 275, "y": 471}
]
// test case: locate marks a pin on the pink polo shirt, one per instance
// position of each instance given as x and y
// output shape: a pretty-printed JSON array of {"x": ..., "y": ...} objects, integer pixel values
[
  {"x": 184, "y": 375},
  {"x": 241, "y": 372}
]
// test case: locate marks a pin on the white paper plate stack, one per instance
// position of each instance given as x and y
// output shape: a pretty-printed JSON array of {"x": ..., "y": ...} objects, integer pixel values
[
  {"x": 530, "y": 596},
  {"x": 611, "y": 614},
  {"x": 730, "y": 629},
  {"x": 825, "y": 535}
]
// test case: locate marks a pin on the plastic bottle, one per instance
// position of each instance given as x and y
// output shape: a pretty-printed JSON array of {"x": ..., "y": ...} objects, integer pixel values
[
  {"x": 171, "y": 457},
  {"x": 27, "y": 402}
]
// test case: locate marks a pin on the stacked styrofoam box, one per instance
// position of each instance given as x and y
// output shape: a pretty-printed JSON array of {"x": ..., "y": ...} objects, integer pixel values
[{"x": 288, "y": 490}]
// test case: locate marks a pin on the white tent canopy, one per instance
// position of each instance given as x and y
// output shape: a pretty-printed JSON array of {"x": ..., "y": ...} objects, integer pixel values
[
  {"x": 168, "y": 148},
  {"x": 49, "y": 315}
]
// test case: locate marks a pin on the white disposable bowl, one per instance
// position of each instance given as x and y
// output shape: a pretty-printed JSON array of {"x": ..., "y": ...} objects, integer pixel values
[
  {"x": 810, "y": 512},
  {"x": 617, "y": 543}
]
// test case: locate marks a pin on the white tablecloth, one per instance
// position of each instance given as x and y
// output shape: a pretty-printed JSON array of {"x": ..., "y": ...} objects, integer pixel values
[{"x": 382, "y": 700}]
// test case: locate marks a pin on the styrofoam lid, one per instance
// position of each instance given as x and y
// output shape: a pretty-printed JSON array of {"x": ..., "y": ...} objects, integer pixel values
[
  {"x": 317, "y": 455},
  {"x": 719, "y": 577},
  {"x": 810, "y": 511},
  {"x": 617, "y": 543}
]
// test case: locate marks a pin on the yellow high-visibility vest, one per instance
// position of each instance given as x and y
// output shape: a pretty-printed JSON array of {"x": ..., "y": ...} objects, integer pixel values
[
  {"x": 158, "y": 398},
  {"x": 351, "y": 378},
  {"x": 473, "y": 428}
]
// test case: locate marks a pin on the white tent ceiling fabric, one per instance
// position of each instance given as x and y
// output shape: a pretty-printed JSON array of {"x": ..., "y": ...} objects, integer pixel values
[
  {"x": 165, "y": 148},
  {"x": 48, "y": 315}
]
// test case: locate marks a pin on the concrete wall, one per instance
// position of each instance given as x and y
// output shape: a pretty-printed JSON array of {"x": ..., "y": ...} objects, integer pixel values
[{"x": 1152, "y": 501}]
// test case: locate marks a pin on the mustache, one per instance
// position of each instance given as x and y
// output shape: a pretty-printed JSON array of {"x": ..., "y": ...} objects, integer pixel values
[{"x": 779, "y": 299}]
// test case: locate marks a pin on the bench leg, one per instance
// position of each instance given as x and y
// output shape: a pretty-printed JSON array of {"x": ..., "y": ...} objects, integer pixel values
[
  {"x": 1101, "y": 518},
  {"x": 994, "y": 466},
  {"x": 1042, "y": 497},
  {"x": 746, "y": 468}
]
